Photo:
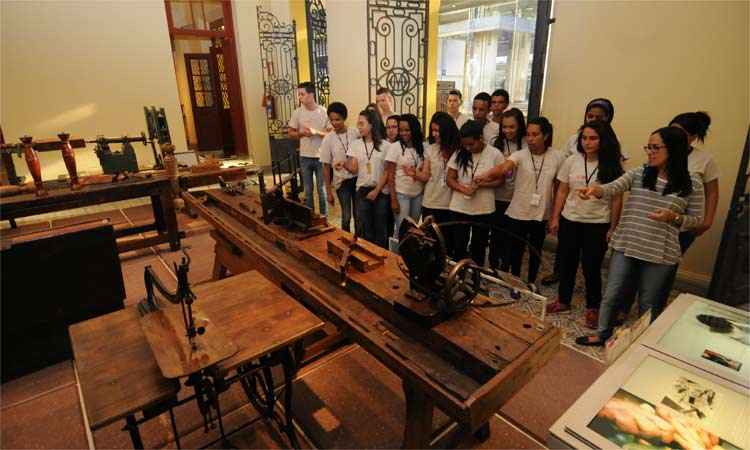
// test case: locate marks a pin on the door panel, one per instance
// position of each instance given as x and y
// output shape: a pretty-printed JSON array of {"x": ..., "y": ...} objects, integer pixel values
[{"x": 205, "y": 101}]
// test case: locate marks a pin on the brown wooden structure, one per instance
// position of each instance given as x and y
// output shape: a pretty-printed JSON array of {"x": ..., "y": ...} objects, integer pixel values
[
  {"x": 121, "y": 379},
  {"x": 468, "y": 365}
]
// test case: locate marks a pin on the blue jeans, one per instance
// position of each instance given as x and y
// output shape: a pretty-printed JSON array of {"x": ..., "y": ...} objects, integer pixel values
[
  {"x": 651, "y": 281},
  {"x": 373, "y": 216},
  {"x": 347, "y": 194},
  {"x": 310, "y": 166},
  {"x": 407, "y": 207}
]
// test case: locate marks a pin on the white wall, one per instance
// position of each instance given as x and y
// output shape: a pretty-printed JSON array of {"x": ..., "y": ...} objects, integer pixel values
[
  {"x": 655, "y": 59},
  {"x": 87, "y": 68},
  {"x": 347, "y": 54}
]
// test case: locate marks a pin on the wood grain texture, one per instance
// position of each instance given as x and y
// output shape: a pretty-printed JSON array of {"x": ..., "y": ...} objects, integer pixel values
[
  {"x": 468, "y": 365},
  {"x": 165, "y": 332}
]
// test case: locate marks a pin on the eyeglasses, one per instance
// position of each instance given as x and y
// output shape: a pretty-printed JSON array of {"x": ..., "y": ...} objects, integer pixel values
[{"x": 653, "y": 148}]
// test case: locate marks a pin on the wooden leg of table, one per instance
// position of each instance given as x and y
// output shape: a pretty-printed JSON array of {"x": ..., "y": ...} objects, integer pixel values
[
  {"x": 419, "y": 411},
  {"x": 483, "y": 433},
  {"x": 219, "y": 270},
  {"x": 168, "y": 218}
]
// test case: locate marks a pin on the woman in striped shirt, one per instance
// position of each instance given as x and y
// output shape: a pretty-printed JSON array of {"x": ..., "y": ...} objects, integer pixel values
[{"x": 646, "y": 248}]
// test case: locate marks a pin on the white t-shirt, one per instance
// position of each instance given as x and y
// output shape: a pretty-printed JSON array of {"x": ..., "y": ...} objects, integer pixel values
[
  {"x": 437, "y": 194},
  {"x": 535, "y": 174},
  {"x": 574, "y": 172},
  {"x": 316, "y": 120},
  {"x": 702, "y": 164},
  {"x": 405, "y": 156},
  {"x": 483, "y": 200},
  {"x": 504, "y": 193},
  {"x": 370, "y": 162},
  {"x": 490, "y": 132},
  {"x": 333, "y": 150},
  {"x": 462, "y": 119}
]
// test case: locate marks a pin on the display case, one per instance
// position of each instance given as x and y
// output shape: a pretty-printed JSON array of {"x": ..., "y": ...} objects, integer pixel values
[
  {"x": 706, "y": 334},
  {"x": 683, "y": 384}
]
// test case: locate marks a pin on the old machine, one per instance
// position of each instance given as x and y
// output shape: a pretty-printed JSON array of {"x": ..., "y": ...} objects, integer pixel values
[{"x": 428, "y": 321}]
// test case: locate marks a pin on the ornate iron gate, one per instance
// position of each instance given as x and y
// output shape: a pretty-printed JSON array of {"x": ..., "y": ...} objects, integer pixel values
[
  {"x": 317, "y": 41},
  {"x": 397, "y": 49},
  {"x": 278, "y": 56}
]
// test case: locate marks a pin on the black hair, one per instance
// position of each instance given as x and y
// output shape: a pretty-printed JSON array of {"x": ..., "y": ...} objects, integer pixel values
[
  {"x": 449, "y": 135},
  {"x": 471, "y": 129},
  {"x": 696, "y": 123},
  {"x": 678, "y": 176},
  {"x": 484, "y": 97},
  {"x": 379, "y": 123},
  {"x": 610, "y": 154},
  {"x": 501, "y": 93},
  {"x": 338, "y": 108},
  {"x": 603, "y": 103},
  {"x": 383, "y": 90},
  {"x": 520, "y": 134},
  {"x": 373, "y": 119},
  {"x": 417, "y": 136},
  {"x": 307, "y": 86},
  {"x": 545, "y": 126},
  {"x": 456, "y": 92}
]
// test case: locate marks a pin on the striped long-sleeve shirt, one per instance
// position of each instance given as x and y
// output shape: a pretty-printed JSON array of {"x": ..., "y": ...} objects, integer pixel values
[{"x": 641, "y": 237}]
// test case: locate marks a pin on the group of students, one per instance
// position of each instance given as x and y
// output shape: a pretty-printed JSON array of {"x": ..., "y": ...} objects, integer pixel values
[{"x": 493, "y": 180}]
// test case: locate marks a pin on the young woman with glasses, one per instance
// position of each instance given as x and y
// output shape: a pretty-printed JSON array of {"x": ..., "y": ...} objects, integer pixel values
[{"x": 663, "y": 198}]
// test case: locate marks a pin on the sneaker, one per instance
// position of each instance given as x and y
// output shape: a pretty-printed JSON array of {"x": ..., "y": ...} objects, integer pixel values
[
  {"x": 592, "y": 318},
  {"x": 590, "y": 341},
  {"x": 557, "y": 307},
  {"x": 550, "y": 279}
]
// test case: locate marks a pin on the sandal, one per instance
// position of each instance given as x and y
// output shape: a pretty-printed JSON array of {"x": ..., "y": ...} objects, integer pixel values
[{"x": 587, "y": 341}]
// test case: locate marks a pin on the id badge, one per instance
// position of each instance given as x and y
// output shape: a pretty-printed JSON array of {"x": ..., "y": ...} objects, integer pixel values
[
  {"x": 535, "y": 199},
  {"x": 369, "y": 168}
]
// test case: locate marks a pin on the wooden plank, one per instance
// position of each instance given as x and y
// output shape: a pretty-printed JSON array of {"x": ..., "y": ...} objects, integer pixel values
[
  {"x": 165, "y": 332},
  {"x": 361, "y": 257},
  {"x": 256, "y": 314},
  {"x": 117, "y": 371}
]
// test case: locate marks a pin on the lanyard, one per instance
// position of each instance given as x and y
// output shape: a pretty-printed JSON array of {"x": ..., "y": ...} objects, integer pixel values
[
  {"x": 475, "y": 167},
  {"x": 586, "y": 169},
  {"x": 369, "y": 155},
  {"x": 537, "y": 175},
  {"x": 346, "y": 147},
  {"x": 507, "y": 151}
]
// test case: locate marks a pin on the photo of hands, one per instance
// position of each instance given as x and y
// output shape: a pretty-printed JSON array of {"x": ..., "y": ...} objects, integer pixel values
[{"x": 663, "y": 406}]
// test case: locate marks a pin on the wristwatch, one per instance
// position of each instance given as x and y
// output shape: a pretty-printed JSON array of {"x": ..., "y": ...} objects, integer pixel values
[{"x": 678, "y": 219}]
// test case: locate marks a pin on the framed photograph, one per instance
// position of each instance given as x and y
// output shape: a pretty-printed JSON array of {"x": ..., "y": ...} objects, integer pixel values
[
  {"x": 706, "y": 334},
  {"x": 648, "y": 400}
]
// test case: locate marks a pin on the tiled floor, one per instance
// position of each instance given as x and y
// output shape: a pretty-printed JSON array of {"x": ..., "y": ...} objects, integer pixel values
[{"x": 363, "y": 409}]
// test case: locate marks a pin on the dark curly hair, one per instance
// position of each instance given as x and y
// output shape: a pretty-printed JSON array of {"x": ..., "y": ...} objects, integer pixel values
[
  {"x": 610, "y": 155},
  {"x": 678, "y": 176},
  {"x": 417, "y": 137}
]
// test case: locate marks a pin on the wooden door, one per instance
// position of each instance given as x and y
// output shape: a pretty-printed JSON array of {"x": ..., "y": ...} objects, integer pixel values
[
  {"x": 205, "y": 101},
  {"x": 222, "y": 88}
]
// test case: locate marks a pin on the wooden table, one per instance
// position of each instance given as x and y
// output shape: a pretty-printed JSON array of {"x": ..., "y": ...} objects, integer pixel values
[
  {"x": 468, "y": 365},
  {"x": 157, "y": 187},
  {"x": 119, "y": 376}
]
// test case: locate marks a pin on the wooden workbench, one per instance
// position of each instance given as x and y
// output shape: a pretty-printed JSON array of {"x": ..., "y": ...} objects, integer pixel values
[
  {"x": 468, "y": 365},
  {"x": 119, "y": 375},
  {"x": 157, "y": 187}
]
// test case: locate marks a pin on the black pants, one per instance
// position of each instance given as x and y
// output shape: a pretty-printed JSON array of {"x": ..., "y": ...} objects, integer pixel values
[
  {"x": 532, "y": 231},
  {"x": 479, "y": 231},
  {"x": 442, "y": 216},
  {"x": 347, "y": 194},
  {"x": 585, "y": 243},
  {"x": 500, "y": 241},
  {"x": 373, "y": 216}
]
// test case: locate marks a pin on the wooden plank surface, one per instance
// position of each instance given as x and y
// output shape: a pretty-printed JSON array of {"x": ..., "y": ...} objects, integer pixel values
[
  {"x": 117, "y": 370},
  {"x": 255, "y": 314},
  {"x": 165, "y": 332}
]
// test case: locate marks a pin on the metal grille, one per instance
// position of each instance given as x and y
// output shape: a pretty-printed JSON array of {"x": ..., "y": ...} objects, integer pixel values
[
  {"x": 397, "y": 48},
  {"x": 317, "y": 41},
  {"x": 223, "y": 86},
  {"x": 278, "y": 55}
]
